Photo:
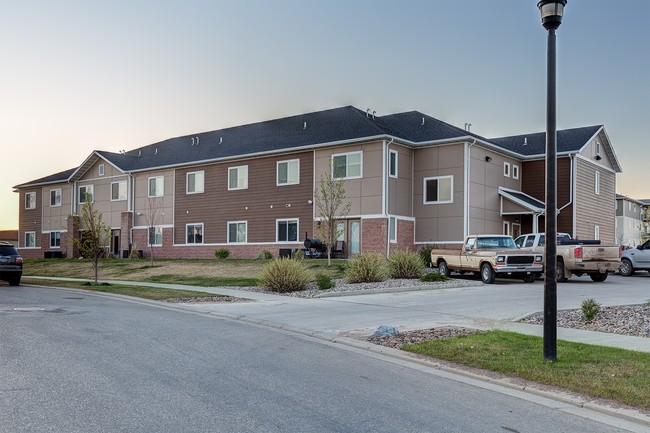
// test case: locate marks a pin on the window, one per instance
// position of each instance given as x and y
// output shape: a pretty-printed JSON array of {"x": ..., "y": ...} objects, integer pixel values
[
  {"x": 340, "y": 230},
  {"x": 392, "y": 229},
  {"x": 438, "y": 190},
  {"x": 237, "y": 231},
  {"x": 288, "y": 172},
  {"x": 346, "y": 166},
  {"x": 506, "y": 169},
  {"x": 118, "y": 190},
  {"x": 392, "y": 163},
  {"x": 155, "y": 236},
  {"x": 30, "y": 239},
  {"x": 597, "y": 233},
  {"x": 85, "y": 193},
  {"x": 101, "y": 169},
  {"x": 55, "y": 239},
  {"x": 194, "y": 233},
  {"x": 506, "y": 227},
  {"x": 30, "y": 200},
  {"x": 195, "y": 181},
  {"x": 238, "y": 177},
  {"x": 156, "y": 186},
  {"x": 597, "y": 183},
  {"x": 515, "y": 171},
  {"x": 55, "y": 197},
  {"x": 287, "y": 230},
  {"x": 597, "y": 148}
]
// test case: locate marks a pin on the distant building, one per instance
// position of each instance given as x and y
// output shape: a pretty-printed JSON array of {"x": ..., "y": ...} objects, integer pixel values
[
  {"x": 631, "y": 220},
  {"x": 10, "y": 236}
]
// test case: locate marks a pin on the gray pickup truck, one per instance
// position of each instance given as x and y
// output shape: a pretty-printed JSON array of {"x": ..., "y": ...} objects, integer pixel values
[{"x": 636, "y": 259}]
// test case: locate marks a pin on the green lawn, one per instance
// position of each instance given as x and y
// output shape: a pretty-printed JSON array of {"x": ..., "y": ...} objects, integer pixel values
[{"x": 597, "y": 371}]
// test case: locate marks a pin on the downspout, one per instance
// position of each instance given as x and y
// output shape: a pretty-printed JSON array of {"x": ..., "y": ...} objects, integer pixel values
[
  {"x": 466, "y": 187},
  {"x": 385, "y": 204}
]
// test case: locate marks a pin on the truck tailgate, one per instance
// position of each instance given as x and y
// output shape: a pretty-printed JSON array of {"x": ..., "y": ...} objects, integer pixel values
[{"x": 597, "y": 253}]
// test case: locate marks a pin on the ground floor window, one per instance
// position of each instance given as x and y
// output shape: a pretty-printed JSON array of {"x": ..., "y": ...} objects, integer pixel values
[
  {"x": 156, "y": 236},
  {"x": 237, "y": 231},
  {"x": 194, "y": 233},
  {"x": 55, "y": 239},
  {"x": 392, "y": 229},
  {"x": 30, "y": 239},
  {"x": 287, "y": 230}
]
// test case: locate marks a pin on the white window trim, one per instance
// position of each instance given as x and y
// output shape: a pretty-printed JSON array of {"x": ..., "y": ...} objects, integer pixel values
[
  {"x": 162, "y": 186},
  {"x": 424, "y": 190},
  {"x": 60, "y": 197},
  {"x": 238, "y": 187},
  {"x": 126, "y": 189},
  {"x": 277, "y": 229},
  {"x": 187, "y": 182},
  {"x": 346, "y": 154},
  {"x": 92, "y": 193},
  {"x": 202, "y": 233},
  {"x": 506, "y": 228},
  {"x": 101, "y": 169},
  {"x": 162, "y": 232},
  {"x": 32, "y": 202},
  {"x": 506, "y": 169},
  {"x": 391, "y": 238},
  {"x": 277, "y": 173},
  {"x": 597, "y": 183},
  {"x": 396, "y": 153},
  {"x": 25, "y": 239},
  {"x": 515, "y": 171},
  {"x": 55, "y": 246},
  {"x": 597, "y": 148},
  {"x": 228, "y": 232}
]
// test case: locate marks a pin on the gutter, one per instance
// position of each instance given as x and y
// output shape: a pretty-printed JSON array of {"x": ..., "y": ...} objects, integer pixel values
[{"x": 385, "y": 180}]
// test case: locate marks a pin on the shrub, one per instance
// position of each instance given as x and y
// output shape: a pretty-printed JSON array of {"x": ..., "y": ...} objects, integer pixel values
[
  {"x": 299, "y": 255},
  {"x": 432, "y": 277},
  {"x": 590, "y": 309},
  {"x": 265, "y": 255},
  {"x": 425, "y": 254},
  {"x": 324, "y": 281},
  {"x": 285, "y": 275},
  {"x": 365, "y": 268},
  {"x": 405, "y": 264},
  {"x": 222, "y": 253}
]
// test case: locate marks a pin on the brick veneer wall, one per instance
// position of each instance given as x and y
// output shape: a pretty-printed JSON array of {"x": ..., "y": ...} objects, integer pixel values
[
  {"x": 374, "y": 235},
  {"x": 405, "y": 236}
]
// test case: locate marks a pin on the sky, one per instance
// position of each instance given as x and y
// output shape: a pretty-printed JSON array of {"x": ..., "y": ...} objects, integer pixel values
[{"x": 79, "y": 75}]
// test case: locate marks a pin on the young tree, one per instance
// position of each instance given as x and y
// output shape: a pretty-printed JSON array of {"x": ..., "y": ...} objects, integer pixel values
[
  {"x": 331, "y": 206},
  {"x": 152, "y": 213},
  {"x": 94, "y": 235}
]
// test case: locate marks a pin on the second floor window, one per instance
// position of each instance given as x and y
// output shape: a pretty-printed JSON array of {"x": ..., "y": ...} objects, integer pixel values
[
  {"x": 195, "y": 182},
  {"x": 30, "y": 200},
  {"x": 438, "y": 190},
  {"x": 346, "y": 166},
  {"x": 238, "y": 177},
  {"x": 288, "y": 172},
  {"x": 86, "y": 193},
  {"x": 118, "y": 191},
  {"x": 597, "y": 183},
  {"x": 156, "y": 186},
  {"x": 392, "y": 163},
  {"x": 55, "y": 197}
]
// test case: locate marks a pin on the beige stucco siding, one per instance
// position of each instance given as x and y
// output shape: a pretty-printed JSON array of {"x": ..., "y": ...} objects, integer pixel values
[
  {"x": 55, "y": 217},
  {"x": 111, "y": 210},
  {"x": 154, "y": 210},
  {"x": 594, "y": 209},
  {"x": 400, "y": 189},
  {"x": 589, "y": 151},
  {"x": 439, "y": 222},
  {"x": 365, "y": 194}
]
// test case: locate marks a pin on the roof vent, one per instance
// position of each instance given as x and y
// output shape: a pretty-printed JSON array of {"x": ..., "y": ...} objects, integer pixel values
[
  {"x": 192, "y": 141},
  {"x": 368, "y": 112},
  {"x": 304, "y": 125},
  {"x": 220, "y": 140},
  {"x": 139, "y": 153},
  {"x": 525, "y": 141},
  {"x": 155, "y": 152},
  {"x": 373, "y": 115},
  {"x": 422, "y": 121}
]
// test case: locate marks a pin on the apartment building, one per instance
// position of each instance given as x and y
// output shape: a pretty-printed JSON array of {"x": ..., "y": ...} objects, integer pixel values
[
  {"x": 631, "y": 221},
  {"x": 410, "y": 179}
]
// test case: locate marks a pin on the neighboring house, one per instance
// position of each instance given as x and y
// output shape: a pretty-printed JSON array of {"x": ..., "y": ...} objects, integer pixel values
[
  {"x": 631, "y": 221},
  {"x": 410, "y": 179},
  {"x": 10, "y": 236}
]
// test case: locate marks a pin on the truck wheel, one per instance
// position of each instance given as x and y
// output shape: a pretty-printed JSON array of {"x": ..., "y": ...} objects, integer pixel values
[
  {"x": 559, "y": 272},
  {"x": 598, "y": 278},
  {"x": 443, "y": 269},
  {"x": 530, "y": 278},
  {"x": 626, "y": 268},
  {"x": 487, "y": 273}
]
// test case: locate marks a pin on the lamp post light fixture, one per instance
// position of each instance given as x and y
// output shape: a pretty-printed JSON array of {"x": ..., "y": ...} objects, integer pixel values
[{"x": 552, "y": 11}]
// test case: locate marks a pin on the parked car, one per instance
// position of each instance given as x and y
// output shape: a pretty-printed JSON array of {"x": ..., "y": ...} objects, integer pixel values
[
  {"x": 11, "y": 264},
  {"x": 577, "y": 257},
  {"x": 635, "y": 259},
  {"x": 489, "y": 256}
]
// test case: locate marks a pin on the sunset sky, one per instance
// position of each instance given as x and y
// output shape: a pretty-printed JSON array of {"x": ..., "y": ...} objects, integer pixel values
[{"x": 78, "y": 76}]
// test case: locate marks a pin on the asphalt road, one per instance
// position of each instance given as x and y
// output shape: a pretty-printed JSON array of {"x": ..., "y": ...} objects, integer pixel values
[{"x": 72, "y": 361}]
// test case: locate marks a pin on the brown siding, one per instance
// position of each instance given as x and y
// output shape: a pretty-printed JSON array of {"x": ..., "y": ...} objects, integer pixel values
[
  {"x": 260, "y": 205},
  {"x": 31, "y": 220},
  {"x": 595, "y": 209}
]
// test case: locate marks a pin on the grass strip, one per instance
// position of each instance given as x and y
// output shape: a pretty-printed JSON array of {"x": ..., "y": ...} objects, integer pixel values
[
  {"x": 201, "y": 281},
  {"x": 597, "y": 371},
  {"x": 145, "y": 292}
]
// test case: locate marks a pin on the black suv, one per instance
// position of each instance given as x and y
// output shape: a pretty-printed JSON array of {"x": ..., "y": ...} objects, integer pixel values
[{"x": 11, "y": 264}]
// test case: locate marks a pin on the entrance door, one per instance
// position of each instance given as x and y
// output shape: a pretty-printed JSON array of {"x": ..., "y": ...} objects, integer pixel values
[
  {"x": 115, "y": 243},
  {"x": 354, "y": 229},
  {"x": 516, "y": 230}
]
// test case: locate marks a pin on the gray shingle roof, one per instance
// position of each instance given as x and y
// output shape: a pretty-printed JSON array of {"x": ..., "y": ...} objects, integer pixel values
[
  {"x": 568, "y": 140},
  {"x": 53, "y": 178}
]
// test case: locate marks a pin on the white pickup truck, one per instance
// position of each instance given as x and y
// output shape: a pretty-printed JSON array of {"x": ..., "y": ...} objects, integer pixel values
[
  {"x": 489, "y": 256},
  {"x": 576, "y": 257}
]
